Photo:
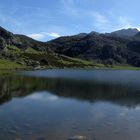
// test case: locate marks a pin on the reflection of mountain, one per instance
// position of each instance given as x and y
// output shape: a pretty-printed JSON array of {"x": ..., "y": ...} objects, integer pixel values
[{"x": 91, "y": 91}]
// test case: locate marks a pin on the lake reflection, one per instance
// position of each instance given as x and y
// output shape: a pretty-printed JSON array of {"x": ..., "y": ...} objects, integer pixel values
[{"x": 58, "y": 104}]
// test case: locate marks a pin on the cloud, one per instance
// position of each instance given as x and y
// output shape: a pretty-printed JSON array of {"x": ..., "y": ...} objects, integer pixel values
[
  {"x": 7, "y": 19},
  {"x": 69, "y": 7},
  {"x": 112, "y": 22},
  {"x": 53, "y": 34},
  {"x": 94, "y": 18},
  {"x": 124, "y": 22},
  {"x": 37, "y": 36},
  {"x": 100, "y": 21},
  {"x": 43, "y": 35}
]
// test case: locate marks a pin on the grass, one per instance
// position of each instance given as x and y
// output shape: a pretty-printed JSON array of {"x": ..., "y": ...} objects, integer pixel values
[
  {"x": 69, "y": 60},
  {"x": 7, "y": 64},
  {"x": 31, "y": 50},
  {"x": 127, "y": 67},
  {"x": 59, "y": 61},
  {"x": 13, "y": 48}
]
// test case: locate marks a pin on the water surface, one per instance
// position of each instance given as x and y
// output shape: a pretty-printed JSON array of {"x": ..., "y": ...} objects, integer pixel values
[{"x": 58, "y": 104}]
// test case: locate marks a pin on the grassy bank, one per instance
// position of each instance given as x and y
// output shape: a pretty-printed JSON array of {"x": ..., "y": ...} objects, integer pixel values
[{"x": 8, "y": 64}]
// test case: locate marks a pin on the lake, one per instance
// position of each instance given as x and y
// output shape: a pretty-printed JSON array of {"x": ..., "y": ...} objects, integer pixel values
[{"x": 59, "y": 104}]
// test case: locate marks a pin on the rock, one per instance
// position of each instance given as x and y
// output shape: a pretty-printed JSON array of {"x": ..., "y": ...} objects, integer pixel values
[
  {"x": 38, "y": 68},
  {"x": 21, "y": 62},
  {"x": 41, "y": 138},
  {"x": 18, "y": 139},
  {"x": 37, "y": 62},
  {"x": 78, "y": 138}
]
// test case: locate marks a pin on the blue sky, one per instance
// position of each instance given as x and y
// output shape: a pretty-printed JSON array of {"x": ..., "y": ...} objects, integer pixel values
[{"x": 48, "y": 19}]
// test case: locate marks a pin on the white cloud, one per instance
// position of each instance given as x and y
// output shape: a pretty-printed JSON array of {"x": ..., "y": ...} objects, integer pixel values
[
  {"x": 37, "y": 36},
  {"x": 100, "y": 19},
  {"x": 69, "y": 7},
  {"x": 100, "y": 22},
  {"x": 96, "y": 19},
  {"x": 43, "y": 35},
  {"x": 52, "y": 34},
  {"x": 124, "y": 22}
]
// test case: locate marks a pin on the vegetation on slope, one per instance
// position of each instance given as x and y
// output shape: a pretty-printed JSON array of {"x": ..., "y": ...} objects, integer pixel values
[
  {"x": 83, "y": 50},
  {"x": 15, "y": 58}
]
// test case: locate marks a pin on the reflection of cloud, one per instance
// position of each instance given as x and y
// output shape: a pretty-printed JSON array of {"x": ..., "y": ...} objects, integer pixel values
[
  {"x": 137, "y": 108},
  {"x": 124, "y": 112},
  {"x": 52, "y": 98},
  {"x": 43, "y": 96},
  {"x": 35, "y": 97}
]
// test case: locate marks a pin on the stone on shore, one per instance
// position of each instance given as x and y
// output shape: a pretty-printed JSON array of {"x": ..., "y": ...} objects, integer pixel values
[{"x": 78, "y": 138}]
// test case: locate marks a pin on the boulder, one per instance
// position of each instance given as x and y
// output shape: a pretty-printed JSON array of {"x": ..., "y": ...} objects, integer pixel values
[{"x": 78, "y": 138}]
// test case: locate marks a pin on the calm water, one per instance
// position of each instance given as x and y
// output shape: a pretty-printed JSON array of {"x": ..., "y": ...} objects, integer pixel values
[{"x": 58, "y": 104}]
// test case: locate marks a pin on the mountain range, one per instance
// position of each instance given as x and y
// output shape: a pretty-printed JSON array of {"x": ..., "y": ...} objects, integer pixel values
[{"x": 120, "y": 47}]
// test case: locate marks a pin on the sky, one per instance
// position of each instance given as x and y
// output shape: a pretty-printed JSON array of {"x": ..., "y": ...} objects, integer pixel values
[{"x": 48, "y": 19}]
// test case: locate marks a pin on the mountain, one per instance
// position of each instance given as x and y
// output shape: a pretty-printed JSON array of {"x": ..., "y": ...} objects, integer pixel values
[
  {"x": 125, "y": 32},
  {"x": 20, "y": 51},
  {"x": 83, "y": 50},
  {"x": 20, "y": 41},
  {"x": 101, "y": 48}
]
